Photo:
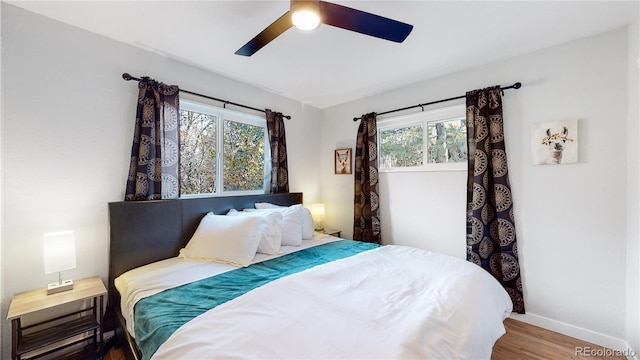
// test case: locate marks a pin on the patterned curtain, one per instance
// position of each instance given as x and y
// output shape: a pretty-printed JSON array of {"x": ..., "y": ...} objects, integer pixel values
[
  {"x": 491, "y": 233},
  {"x": 366, "y": 217},
  {"x": 278, "y": 143},
  {"x": 153, "y": 173}
]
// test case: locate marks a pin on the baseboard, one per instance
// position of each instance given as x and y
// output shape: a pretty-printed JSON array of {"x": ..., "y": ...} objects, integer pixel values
[{"x": 579, "y": 333}]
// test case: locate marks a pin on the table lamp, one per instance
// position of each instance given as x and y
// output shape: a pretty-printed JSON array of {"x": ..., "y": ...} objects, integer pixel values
[
  {"x": 317, "y": 212},
  {"x": 59, "y": 253}
]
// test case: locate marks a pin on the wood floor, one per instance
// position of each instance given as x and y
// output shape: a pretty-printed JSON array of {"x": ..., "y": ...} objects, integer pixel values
[
  {"x": 529, "y": 342},
  {"x": 522, "y": 341},
  {"x": 114, "y": 354}
]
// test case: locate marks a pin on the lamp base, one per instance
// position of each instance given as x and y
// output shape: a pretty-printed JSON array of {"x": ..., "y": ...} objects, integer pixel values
[{"x": 54, "y": 288}]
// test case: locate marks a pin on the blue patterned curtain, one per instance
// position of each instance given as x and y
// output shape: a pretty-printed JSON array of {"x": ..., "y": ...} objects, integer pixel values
[
  {"x": 278, "y": 145},
  {"x": 153, "y": 172},
  {"x": 491, "y": 232},
  {"x": 366, "y": 218}
]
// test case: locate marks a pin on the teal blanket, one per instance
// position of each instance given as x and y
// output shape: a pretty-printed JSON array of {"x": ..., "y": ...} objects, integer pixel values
[{"x": 158, "y": 316}]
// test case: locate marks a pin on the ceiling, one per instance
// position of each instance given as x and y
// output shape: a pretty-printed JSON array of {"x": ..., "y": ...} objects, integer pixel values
[{"x": 330, "y": 66}]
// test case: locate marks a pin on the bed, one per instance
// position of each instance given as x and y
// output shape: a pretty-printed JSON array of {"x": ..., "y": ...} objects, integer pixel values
[{"x": 322, "y": 298}]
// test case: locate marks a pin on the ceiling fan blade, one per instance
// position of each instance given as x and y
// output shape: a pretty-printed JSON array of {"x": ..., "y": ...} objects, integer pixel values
[
  {"x": 363, "y": 22},
  {"x": 267, "y": 35}
]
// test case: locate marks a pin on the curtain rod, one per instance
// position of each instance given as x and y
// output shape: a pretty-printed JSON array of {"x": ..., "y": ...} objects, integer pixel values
[
  {"x": 514, "y": 86},
  {"x": 128, "y": 77}
]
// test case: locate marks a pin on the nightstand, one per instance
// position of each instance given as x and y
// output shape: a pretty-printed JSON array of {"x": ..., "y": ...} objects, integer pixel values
[
  {"x": 332, "y": 232},
  {"x": 36, "y": 336}
]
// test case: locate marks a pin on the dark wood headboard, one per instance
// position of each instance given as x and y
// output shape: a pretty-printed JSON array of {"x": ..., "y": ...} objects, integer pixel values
[{"x": 143, "y": 232}]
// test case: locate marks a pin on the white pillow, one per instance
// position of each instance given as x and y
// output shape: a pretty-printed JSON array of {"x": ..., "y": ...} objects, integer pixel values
[
  {"x": 307, "y": 224},
  {"x": 270, "y": 233},
  {"x": 291, "y": 224},
  {"x": 265, "y": 205},
  {"x": 307, "y": 219},
  {"x": 226, "y": 239}
]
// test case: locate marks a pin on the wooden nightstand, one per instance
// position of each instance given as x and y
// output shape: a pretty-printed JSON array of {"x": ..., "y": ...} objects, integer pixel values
[
  {"x": 89, "y": 320},
  {"x": 332, "y": 232}
]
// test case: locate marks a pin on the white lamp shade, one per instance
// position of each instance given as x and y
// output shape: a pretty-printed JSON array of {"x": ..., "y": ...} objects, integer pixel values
[
  {"x": 59, "y": 251},
  {"x": 317, "y": 212}
]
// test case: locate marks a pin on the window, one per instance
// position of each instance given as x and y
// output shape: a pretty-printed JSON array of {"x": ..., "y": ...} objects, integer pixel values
[
  {"x": 427, "y": 141},
  {"x": 221, "y": 151}
]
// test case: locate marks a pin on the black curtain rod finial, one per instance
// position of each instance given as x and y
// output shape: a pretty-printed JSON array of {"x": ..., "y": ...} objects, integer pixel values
[
  {"x": 517, "y": 85},
  {"x": 360, "y": 117}
]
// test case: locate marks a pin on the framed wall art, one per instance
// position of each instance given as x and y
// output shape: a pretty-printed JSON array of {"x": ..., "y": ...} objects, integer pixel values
[
  {"x": 342, "y": 159},
  {"x": 555, "y": 142}
]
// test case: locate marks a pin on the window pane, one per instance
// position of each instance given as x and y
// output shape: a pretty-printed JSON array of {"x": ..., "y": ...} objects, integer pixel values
[
  {"x": 447, "y": 141},
  {"x": 243, "y": 156},
  {"x": 197, "y": 153},
  {"x": 401, "y": 147}
]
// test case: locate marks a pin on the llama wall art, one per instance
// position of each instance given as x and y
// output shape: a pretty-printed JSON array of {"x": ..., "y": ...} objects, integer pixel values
[{"x": 555, "y": 143}]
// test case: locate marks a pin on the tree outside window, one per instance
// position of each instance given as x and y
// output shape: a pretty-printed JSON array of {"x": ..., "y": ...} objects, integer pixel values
[
  {"x": 427, "y": 141},
  {"x": 221, "y": 151}
]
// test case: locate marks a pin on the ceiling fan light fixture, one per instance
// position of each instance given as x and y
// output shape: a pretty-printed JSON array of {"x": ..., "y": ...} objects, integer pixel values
[{"x": 305, "y": 15}]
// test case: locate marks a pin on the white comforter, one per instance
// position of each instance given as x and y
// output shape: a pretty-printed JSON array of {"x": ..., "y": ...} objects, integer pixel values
[
  {"x": 393, "y": 302},
  {"x": 137, "y": 284}
]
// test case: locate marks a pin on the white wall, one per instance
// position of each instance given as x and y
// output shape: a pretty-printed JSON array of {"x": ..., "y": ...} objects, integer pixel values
[
  {"x": 1, "y": 177},
  {"x": 571, "y": 219},
  {"x": 633, "y": 211},
  {"x": 67, "y": 121}
]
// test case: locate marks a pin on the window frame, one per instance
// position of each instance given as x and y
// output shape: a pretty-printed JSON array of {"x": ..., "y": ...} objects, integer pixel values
[
  {"x": 423, "y": 119},
  {"x": 223, "y": 115}
]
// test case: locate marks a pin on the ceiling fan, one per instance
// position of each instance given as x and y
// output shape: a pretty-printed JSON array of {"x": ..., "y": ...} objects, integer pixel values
[{"x": 307, "y": 15}]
